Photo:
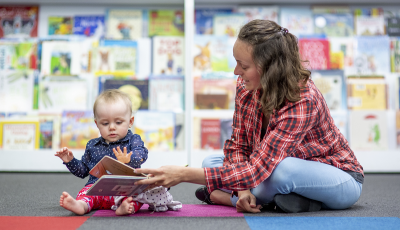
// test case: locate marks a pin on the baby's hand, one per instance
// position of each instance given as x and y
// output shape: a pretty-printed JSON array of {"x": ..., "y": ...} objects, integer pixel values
[
  {"x": 65, "y": 155},
  {"x": 122, "y": 156}
]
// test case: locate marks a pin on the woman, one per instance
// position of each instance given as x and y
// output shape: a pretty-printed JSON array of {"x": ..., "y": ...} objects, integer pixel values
[{"x": 285, "y": 148}]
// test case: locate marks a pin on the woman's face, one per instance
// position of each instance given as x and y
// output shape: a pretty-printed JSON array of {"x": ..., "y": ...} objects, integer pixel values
[{"x": 245, "y": 66}]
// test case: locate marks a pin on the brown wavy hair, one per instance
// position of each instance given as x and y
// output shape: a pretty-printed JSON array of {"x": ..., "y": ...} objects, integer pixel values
[{"x": 275, "y": 52}]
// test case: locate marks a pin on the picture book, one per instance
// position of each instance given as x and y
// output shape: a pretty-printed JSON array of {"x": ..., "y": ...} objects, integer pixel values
[
  {"x": 168, "y": 55},
  {"x": 316, "y": 51},
  {"x": 210, "y": 134},
  {"x": 369, "y": 25},
  {"x": 19, "y": 135},
  {"x": 395, "y": 55},
  {"x": 331, "y": 84},
  {"x": 372, "y": 55},
  {"x": 210, "y": 53},
  {"x": 166, "y": 23},
  {"x": 77, "y": 128},
  {"x": 228, "y": 24},
  {"x": 50, "y": 131},
  {"x": 393, "y": 26},
  {"x": 116, "y": 185},
  {"x": 166, "y": 93},
  {"x": 346, "y": 46},
  {"x": 138, "y": 90},
  {"x": 398, "y": 129},
  {"x": 25, "y": 56},
  {"x": 156, "y": 129},
  {"x": 226, "y": 130},
  {"x": 367, "y": 94},
  {"x": 60, "y": 25},
  {"x": 204, "y": 19},
  {"x": 124, "y": 24},
  {"x": 55, "y": 94},
  {"x": 16, "y": 90},
  {"x": 110, "y": 166},
  {"x": 368, "y": 130},
  {"x": 19, "y": 21},
  {"x": 115, "y": 60},
  {"x": 89, "y": 25},
  {"x": 260, "y": 12},
  {"x": 214, "y": 93},
  {"x": 334, "y": 24},
  {"x": 298, "y": 21}
]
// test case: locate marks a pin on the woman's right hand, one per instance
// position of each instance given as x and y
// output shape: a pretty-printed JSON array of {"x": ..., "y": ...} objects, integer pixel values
[
  {"x": 247, "y": 202},
  {"x": 65, "y": 155}
]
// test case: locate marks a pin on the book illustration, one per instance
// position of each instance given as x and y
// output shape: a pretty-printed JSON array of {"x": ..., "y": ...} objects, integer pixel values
[
  {"x": 19, "y": 135},
  {"x": 168, "y": 55},
  {"x": 345, "y": 46},
  {"x": 204, "y": 19},
  {"x": 368, "y": 130},
  {"x": 116, "y": 185},
  {"x": 138, "y": 91},
  {"x": 214, "y": 93},
  {"x": 226, "y": 130},
  {"x": 110, "y": 166},
  {"x": 50, "y": 131},
  {"x": 316, "y": 51},
  {"x": 299, "y": 21},
  {"x": 260, "y": 12},
  {"x": 46, "y": 134},
  {"x": 77, "y": 128},
  {"x": 332, "y": 86},
  {"x": 228, "y": 24},
  {"x": 157, "y": 129},
  {"x": 210, "y": 134},
  {"x": 166, "y": 23},
  {"x": 367, "y": 94},
  {"x": 125, "y": 24},
  {"x": 395, "y": 55},
  {"x": 25, "y": 55},
  {"x": 210, "y": 53},
  {"x": 19, "y": 21},
  {"x": 369, "y": 25},
  {"x": 334, "y": 25},
  {"x": 90, "y": 26},
  {"x": 7, "y": 52},
  {"x": 372, "y": 55},
  {"x": 115, "y": 60},
  {"x": 166, "y": 94},
  {"x": 16, "y": 90},
  {"x": 60, "y": 25},
  {"x": 60, "y": 63},
  {"x": 61, "y": 58}
]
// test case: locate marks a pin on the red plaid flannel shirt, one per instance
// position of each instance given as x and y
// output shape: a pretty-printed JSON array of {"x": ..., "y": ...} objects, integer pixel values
[{"x": 303, "y": 129}]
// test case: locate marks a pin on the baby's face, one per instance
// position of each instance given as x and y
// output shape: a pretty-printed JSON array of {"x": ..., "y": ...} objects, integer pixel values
[{"x": 113, "y": 120}]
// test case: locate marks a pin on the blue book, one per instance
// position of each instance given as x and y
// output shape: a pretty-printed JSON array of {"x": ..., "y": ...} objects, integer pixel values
[
  {"x": 204, "y": 19},
  {"x": 89, "y": 26}
]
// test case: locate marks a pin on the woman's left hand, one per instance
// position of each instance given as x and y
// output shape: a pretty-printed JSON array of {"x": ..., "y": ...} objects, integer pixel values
[{"x": 247, "y": 202}]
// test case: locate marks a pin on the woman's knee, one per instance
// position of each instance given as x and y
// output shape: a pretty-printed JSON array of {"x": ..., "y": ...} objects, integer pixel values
[{"x": 212, "y": 161}]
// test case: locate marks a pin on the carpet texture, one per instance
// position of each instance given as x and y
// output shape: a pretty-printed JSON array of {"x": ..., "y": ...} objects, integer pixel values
[{"x": 40, "y": 222}]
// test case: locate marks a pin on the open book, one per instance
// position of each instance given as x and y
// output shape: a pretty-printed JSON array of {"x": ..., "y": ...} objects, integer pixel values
[{"x": 115, "y": 179}]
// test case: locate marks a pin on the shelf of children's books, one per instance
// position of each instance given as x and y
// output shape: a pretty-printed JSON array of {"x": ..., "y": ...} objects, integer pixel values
[
  {"x": 45, "y": 161},
  {"x": 213, "y": 113}
]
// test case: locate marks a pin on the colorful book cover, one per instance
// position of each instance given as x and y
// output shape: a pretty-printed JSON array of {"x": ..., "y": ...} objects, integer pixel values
[
  {"x": 226, "y": 130},
  {"x": 345, "y": 46},
  {"x": 7, "y": 53},
  {"x": 372, "y": 55},
  {"x": 19, "y": 21},
  {"x": 138, "y": 90},
  {"x": 316, "y": 52},
  {"x": 367, "y": 94},
  {"x": 260, "y": 12},
  {"x": 395, "y": 55},
  {"x": 50, "y": 131},
  {"x": 214, "y": 93},
  {"x": 370, "y": 25},
  {"x": 77, "y": 128},
  {"x": 61, "y": 58},
  {"x": 210, "y": 53},
  {"x": 89, "y": 25},
  {"x": 166, "y": 93},
  {"x": 393, "y": 26},
  {"x": 204, "y": 19},
  {"x": 25, "y": 55},
  {"x": 16, "y": 90},
  {"x": 60, "y": 25},
  {"x": 124, "y": 24},
  {"x": 297, "y": 20},
  {"x": 115, "y": 60},
  {"x": 336, "y": 60},
  {"x": 168, "y": 55},
  {"x": 210, "y": 134},
  {"x": 331, "y": 84},
  {"x": 19, "y": 135},
  {"x": 334, "y": 25},
  {"x": 166, "y": 23},
  {"x": 368, "y": 130},
  {"x": 228, "y": 24},
  {"x": 55, "y": 94},
  {"x": 156, "y": 129}
]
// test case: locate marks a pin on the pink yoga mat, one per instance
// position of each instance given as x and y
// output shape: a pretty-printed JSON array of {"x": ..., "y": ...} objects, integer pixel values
[{"x": 188, "y": 210}]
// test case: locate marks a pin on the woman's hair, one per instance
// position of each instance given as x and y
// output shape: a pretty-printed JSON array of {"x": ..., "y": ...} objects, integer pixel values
[
  {"x": 113, "y": 95},
  {"x": 275, "y": 52}
]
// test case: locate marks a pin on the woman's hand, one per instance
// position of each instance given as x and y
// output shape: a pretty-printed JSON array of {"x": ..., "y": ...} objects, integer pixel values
[
  {"x": 247, "y": 202},
  {"x": 122, "y": 156}
]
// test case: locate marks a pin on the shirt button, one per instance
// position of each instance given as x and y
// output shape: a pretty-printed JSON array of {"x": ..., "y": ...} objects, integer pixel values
[
  {"x": 272, "y": 159},
  {"x": 233, "y": 139}
]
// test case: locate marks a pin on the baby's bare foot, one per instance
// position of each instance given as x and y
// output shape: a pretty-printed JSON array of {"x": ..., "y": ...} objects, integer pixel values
[
  {"x": 76, "y": 206},
  {"x": 125, "y": 208}
]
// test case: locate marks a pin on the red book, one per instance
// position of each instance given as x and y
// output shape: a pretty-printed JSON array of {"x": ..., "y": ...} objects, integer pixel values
[
  {"x": 210, "y": 134},
  {"x": 316, "y": 51},
  {"x": 19, "y": 21}
]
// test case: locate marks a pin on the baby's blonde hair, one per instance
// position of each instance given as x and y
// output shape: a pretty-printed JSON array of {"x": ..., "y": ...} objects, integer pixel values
[{"x": 112, "y": 95}]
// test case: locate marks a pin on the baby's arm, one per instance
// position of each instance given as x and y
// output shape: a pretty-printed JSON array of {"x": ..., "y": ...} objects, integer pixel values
[
  {"x": 65, "y": 155},
  {"x": 139, "y": 152}
]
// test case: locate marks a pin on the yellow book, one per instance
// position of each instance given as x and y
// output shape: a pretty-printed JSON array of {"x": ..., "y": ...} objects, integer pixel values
[
  {"x": 19, "y": 135},
  {"x": 367, "y": 94}
]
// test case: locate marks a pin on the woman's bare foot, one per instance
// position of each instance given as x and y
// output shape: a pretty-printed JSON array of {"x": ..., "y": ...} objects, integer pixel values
[
  {"x": 125, "y": 208},
  {"x": 76, "y": 206}
]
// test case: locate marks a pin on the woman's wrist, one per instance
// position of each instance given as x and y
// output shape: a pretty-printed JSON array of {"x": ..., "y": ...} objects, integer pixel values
[{"x": 193, "y": 175}]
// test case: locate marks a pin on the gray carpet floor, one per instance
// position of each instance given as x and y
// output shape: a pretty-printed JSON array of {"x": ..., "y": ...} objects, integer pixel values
[{"x": 37, "y": 194}]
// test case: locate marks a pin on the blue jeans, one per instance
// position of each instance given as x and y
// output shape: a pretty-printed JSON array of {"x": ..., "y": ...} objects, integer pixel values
[{"x": 335, "y": 188}]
